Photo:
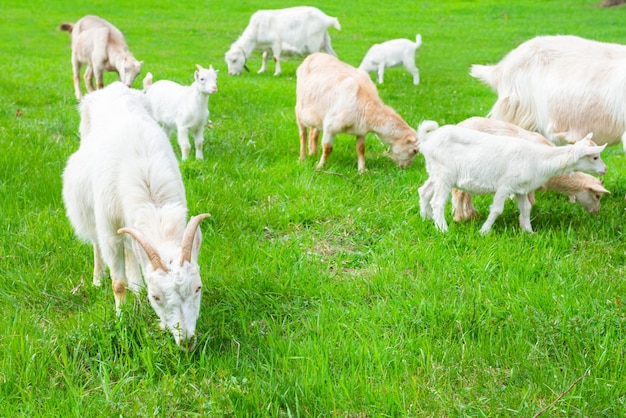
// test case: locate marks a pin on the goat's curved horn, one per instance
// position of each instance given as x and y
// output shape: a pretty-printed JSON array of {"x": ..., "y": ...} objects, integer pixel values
[
  {"x": 153, "y": 254},
  {"x": 190, "y": 233}
]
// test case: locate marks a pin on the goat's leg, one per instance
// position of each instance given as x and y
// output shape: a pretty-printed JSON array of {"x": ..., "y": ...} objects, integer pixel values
[
  {"x": 198, "y": 142},
  {"x": 438, "y": 203},
  {"x": 302, "y": 133},
  {"x": 524, "y": 206},
  {"x": 360, "y": 152},
  {"x": 425, "y": 196},
  {"x": 495, "y": 210},
  {"x": 381, "y": 72},
  {"x": 276, "y": 51},
  {"x": 314, "y": 137},
  {"x": 89, "y": 78},
  {"x": 409, "y": 64},
  {"x": 462, "y": 206},
  {"x": 183, "y": 141},
  {"x": 113, "y": 253},
  {"x": 135, "y": 282},
  {"x": 76, "y": 78},
  {"x": 327, "y": 148},
  {"x": 263, "y": 63},
  {"x": 99, "y": 267},
  {"x": 99, "y": 72}
]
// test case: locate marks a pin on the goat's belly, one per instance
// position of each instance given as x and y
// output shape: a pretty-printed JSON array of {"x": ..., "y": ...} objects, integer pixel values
[{"x": 472, "y": 187}]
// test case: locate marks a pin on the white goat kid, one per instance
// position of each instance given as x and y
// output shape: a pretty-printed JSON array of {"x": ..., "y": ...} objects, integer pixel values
[
  {"x": 580, "y": 187},
  {"x": 124, "y": 181},
  {"x": 183, "y": 107},
  {"x": 392, "y": 54},
  {"x": 481, "y": 163},
  {"x": 102, "y": 47},
  {"x": 334, "y": 97},
  {"x": 296, "y": 30}
]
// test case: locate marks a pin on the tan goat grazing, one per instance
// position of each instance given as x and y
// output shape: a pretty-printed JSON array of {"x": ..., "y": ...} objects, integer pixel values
[
  {"x": 581, "y": 187},
  {"x": 335, "y": 97},
  {"x": 102, "y": 47}
]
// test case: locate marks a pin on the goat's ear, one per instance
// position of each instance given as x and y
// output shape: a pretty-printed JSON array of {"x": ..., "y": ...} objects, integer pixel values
[{"x": 599, "y": 188}]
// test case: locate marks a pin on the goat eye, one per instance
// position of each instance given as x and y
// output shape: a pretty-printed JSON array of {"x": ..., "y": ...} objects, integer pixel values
[
  {"x": 156, "y": 298},
  {"x": 198, "y": 289}
]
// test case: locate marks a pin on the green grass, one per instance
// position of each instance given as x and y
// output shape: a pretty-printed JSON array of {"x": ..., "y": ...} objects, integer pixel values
[{"x": 325, "y": 294}]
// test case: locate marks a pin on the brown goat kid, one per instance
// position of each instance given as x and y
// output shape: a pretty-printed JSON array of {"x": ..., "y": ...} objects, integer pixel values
[
  {"x": 102, "y": 47},
  {"x": 335, "y": 97}
]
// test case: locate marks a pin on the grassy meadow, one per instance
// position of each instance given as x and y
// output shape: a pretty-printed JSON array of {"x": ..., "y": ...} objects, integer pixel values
[{"x": 325, "y": 293}]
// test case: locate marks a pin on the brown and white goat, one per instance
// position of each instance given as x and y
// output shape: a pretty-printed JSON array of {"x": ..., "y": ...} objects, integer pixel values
[
  {"x": 102, "y": 47},
  {"x": 335, "y": 97}
]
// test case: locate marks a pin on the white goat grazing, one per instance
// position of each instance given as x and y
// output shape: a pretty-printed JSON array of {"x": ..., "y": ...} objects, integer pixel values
[
  {"x": 562, "y": 87},
  {"x": 296, "y": 30},
  {"x": 102, "y": 47},
  {"x": 125, "y": 179},
  {"x": 183, "y": 107},
  {"x": 480, "y": 163},
  {"x": 392, "y": 54},
  {"x": 580, "y": 187},
  {"x": 335, "y": 97}
]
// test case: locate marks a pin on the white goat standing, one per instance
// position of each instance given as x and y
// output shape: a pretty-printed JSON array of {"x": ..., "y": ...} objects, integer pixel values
[
  {"x": 580, "y": 187},
  {"x": 392, "y": 53},
  {"x": 183, "y": 107},
  {"x": 102, "y": 47},
  {"x": 125, "y": 179},
  {"x": 480, "y": 163},
  {"x": 295, "y": 30},
  {"x": 335, "y": 97}
]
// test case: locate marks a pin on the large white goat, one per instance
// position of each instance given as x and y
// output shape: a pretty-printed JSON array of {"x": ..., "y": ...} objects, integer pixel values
[
  {"x": 580, "y": 187},
  {"x": 124, "y": 181},
  {"x": 183, "y": 107},
  {"x": 392, "y": 53},
  {"x": 561, "y": 86},
  {"x": 335, "y": 97},
  {"x": 295, "y": 30},
  {"x": 102, "y": 47},
  {"x": 481, "y": 163}
]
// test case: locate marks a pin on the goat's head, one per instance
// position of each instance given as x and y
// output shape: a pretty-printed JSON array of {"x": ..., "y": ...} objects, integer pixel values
[
  {"x": 235, "y": 60},
  {"x": 587, "y": 156},
  {"x": 206, "y": 79},
  {"x": 404, "y": 150},
  {"x": 174, "y": 286},
  {"x": 129, "y": 69}
]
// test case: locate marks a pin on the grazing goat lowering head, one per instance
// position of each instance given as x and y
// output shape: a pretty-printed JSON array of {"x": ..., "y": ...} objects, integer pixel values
[{"x": 123, "y": 192}]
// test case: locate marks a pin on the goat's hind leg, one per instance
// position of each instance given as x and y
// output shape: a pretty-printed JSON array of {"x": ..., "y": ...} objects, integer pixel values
[
  {"x": 524, "y": 206},
  {"x": 425, "y": 196},
  {"x": 438, "y": 203},
  {"x": 183, "y": 142},
  {"x": 495, "y": 210}
]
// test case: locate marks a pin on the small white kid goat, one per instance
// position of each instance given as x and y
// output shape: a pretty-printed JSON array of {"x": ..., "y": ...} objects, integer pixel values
[
  {"x": 183, "y": 107},
  {"x": 581, "y": 187},
  {"x": 123, "y": 192},
  {"x": 102, "y": 47},
  {"x": 392, "y": 54},
  {"x": 481, "y": 163},
  {"x": 294, "y": 30},
  {"x": 335, "y": 97}
]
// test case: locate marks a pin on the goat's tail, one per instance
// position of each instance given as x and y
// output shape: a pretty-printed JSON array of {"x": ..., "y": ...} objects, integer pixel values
[
  {"x": 68, "y": 27},
  {"x": 147, "y": 82},
  {"x": 424, "y": 128},
  {"x": 335, "y": 23},
  {"x": 485, "y": 73},
  {"x": 418, "y": 40}
]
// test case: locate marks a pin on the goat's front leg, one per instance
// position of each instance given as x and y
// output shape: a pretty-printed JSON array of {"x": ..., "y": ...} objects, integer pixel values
[
  {"x": 99, "y": 73},
  {"x": 276, "y": 50},
  {"x": 524, "y": 206},
  {"x": 183, "y": 141},
  {"x": 198, "y": 142},
  {"x": 438, "y": 203},
  {"x": 135, "y": 282},
  {"x": 360, "y": 152},
  {"x": 381, "y": 72},
  {"x": 263, "y": 63},
  {"x": 99, "y": 267}
]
